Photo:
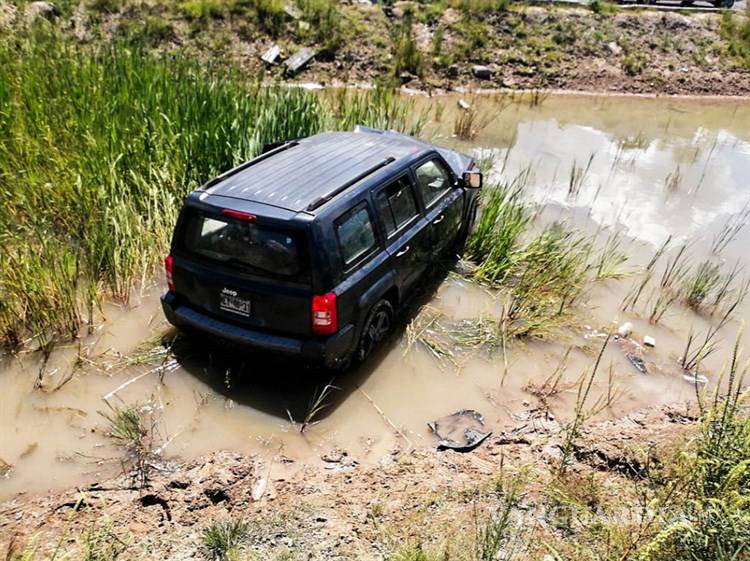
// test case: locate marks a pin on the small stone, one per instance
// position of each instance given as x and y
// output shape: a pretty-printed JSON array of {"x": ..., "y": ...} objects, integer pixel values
[
  {"x": 614, "y": 48},
  {"x": 525, "y": 403},
  {"x": 270, "y": 56},
  {"x": 649, "y": 341},
  {"x": 406, "y": 77},
  {"x": 299, "y": 59},
  {"x": 8, "y": 13},
  {"x": 625, "y": 329},
  {"x": 36, "y": 10},
  {"x": 292, "y": 11},
  {"x": 463, "y": 104},
  {"x": 481, "y": 72}
]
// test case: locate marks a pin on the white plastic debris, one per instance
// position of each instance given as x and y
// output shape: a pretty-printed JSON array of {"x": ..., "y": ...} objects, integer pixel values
[
  {"x": 625, "y": 329},
  {"x": 649, "y": 341},
  {"x": 699, "y": 379},
  {"x": 463, "y": 104}
]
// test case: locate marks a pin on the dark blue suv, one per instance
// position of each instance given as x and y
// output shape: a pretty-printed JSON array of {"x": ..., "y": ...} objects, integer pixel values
[{"x": 308, "y": 249}]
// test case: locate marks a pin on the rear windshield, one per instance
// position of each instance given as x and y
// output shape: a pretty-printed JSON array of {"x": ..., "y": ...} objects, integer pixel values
[{"x": 260, "y": 249}]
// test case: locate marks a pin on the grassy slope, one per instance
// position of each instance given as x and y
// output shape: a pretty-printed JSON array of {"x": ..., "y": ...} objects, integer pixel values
[{"x": 434, "y": 44}]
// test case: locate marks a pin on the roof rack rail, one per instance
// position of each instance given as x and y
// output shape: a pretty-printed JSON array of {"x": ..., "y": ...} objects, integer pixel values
[
  {"x": 320, "y": 201},
  {"x": 245, "y": 165}
]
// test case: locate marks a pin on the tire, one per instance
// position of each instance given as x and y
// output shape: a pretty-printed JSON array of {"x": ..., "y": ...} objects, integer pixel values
[{"x": 376, "y": 328}]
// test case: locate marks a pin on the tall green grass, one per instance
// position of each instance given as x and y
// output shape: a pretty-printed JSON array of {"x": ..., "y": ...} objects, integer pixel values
[{"x": 97, "y": 149}]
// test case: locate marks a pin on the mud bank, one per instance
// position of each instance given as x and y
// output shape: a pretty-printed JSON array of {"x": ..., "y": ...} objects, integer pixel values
[{"x": 337, "y": 509}]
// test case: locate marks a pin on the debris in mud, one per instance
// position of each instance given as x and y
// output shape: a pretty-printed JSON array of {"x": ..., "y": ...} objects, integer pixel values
[
  {"x": 698, "y": 379},
  {"x": 5, "y": 468},
  {"x": 649, "y": 341},
  {"x": 536, "y": 420},
  {"x": 461, "y": 431},
  {"x": 463, "y": 104},
  {"x": 625, "y": 329},
  {"x": 637, "y": 362},
  {"x": 339, "y": 460}
]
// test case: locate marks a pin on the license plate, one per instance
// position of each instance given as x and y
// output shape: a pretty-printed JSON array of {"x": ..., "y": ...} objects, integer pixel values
[{"x": 234, "y": 304}]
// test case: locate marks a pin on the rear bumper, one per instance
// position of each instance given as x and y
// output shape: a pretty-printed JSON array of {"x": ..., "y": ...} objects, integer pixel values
[{"x": 331, "y": 351}]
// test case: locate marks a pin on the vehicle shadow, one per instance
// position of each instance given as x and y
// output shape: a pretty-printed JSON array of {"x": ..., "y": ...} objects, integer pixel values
[{"x": 284, "y": 388}]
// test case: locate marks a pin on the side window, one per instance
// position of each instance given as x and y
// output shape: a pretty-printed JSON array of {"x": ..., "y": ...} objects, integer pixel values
[
  {"x": 433, "y": 181},
  {"x": 355, "y": 234},
  {"x": 396, "y": 204}
]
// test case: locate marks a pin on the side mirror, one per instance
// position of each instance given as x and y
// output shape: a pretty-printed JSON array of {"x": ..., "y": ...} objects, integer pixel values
[{"x": 473, "y": 179}]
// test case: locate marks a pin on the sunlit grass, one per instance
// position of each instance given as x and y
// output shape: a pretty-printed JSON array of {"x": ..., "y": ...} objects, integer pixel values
[{"x": 98, "y": 148}]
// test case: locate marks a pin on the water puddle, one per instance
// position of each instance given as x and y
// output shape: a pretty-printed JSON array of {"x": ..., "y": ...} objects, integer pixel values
[{"x": 646, "y": 168}]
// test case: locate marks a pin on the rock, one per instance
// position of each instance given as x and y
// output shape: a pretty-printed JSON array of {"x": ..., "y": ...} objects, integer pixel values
[
  {"x": 292, "y": 11},
  {"x": 614, "y": 48},
  {"x": 625, "y": 329},
  {"x": 45, "y": 10},
  {"x": 649, "y": 341},
  {"x": 463, "y": 104},
  {"x": 400, "y": 8},
  {"x": 481, "y": 72},
  {"x": 81, "y": 24},
  {"x": 406, "y": 77},
  {"x": 270, "y": 56},
  {"x": 8, "y": 13},
  {"x": 299, "y": 59},
  {"x": 453, "y": 71},
  {"x": 259, "y": 488}
]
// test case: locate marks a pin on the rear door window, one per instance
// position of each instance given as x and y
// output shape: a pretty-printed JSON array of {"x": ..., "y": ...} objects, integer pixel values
[
  {"x": 355, "y": 234},
  {"x": 433, "y": 181},
  {"x": 263, "y": 250},
  {"x": 396, "y": 205}
]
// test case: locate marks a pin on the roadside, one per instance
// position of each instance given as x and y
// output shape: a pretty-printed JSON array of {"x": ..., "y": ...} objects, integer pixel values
[{"x": 437, "y": 46}]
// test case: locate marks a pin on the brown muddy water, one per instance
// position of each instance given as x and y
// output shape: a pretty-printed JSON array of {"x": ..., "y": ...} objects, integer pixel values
[{"x": 649, "y": 168}]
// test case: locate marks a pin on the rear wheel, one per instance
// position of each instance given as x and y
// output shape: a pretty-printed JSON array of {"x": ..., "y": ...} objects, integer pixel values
[{"x": 377, "y": 326}]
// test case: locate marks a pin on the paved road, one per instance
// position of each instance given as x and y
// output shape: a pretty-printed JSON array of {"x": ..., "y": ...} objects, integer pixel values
[{"x": 700, "y": 5}]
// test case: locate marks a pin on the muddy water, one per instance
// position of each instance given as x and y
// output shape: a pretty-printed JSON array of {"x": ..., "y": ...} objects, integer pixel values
[{"x": 205, "y": 397}]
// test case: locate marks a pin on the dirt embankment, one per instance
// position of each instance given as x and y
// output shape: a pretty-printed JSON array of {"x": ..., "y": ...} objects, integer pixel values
[
  {"x": 428, "y": 46},
  {"x": 339, "y": 510}
]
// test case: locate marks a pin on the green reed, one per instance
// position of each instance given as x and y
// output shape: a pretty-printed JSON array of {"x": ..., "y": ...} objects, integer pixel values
[{"x": 99, "y": 146}]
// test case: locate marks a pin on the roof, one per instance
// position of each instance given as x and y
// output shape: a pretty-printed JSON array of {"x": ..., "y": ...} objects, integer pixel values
[{"x": 306, "y": 173}]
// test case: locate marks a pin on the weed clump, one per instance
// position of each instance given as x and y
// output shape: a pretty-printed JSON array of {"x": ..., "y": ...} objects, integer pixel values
[
  {"x": 221, "y": 540},
  {"x": 134, "y": 431}
]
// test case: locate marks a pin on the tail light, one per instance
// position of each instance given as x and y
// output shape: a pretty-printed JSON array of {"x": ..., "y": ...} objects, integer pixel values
[
  {"x": 238, "y": 215},
  {"x": 324, "y": 314},
  {"x": 168, "y": 267}
]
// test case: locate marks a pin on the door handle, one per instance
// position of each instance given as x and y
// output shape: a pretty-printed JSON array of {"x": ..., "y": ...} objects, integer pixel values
[
  {"x": 439, "y": 219},
  {"x": 403, "y": 251}
]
